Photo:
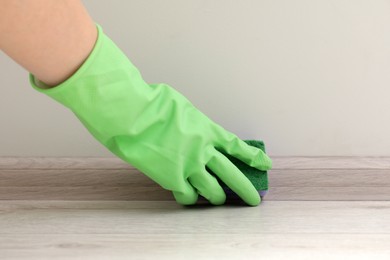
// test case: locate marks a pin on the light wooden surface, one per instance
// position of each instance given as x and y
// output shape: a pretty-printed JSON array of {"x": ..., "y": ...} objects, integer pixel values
[
  {"x": 279, "y": 162},
  {"x": 292, "y": 178},
  {"x": 102, "y": 208},
  {"x": 165, "y": 230}
]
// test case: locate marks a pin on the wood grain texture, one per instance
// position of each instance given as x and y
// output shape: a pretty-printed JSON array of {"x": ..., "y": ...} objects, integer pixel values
[
  {"x": 165, "y": 230},
  {"x": 102, "y": 208},
  {"x": 199, "y": 246},
  {"x": 129, "y": 184},
  {"x": 167, "y": 217},
  {"x": 330, "y": 162},
  {"x": 279, "y": 162},
  {"x": 62, "y": 163},
  {"x": 132, "y": 178}
]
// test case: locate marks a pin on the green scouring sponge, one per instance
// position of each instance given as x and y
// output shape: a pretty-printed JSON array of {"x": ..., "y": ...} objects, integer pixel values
[{"x": 258, "y": 178}]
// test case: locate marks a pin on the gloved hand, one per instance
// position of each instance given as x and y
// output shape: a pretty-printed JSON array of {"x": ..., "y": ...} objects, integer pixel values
[{"x": 155, "y": 128}]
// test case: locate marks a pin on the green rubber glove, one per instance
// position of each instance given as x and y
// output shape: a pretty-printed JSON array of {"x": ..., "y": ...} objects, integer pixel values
[{"x": 155, "y": 128}]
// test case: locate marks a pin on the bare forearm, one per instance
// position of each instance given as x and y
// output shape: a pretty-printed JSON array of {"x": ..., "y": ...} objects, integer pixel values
[{"x": 50, "y": 39}]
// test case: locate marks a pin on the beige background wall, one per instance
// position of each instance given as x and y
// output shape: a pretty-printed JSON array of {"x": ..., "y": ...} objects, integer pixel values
[{"x": 309, "y": 77}]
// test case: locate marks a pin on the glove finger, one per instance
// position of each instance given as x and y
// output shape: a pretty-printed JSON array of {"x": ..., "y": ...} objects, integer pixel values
[
  {"x": 234, "y": 178},
  {"x": 208, "y": 187},
  {"x": 250, "y": 155},
  {"x": 187, "y": 196}
]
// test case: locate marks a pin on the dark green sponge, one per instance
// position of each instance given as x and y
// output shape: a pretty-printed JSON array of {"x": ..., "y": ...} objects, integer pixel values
[{"x": 258, "y": 178}]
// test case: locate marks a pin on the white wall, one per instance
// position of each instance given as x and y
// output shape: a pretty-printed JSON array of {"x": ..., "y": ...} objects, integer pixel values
[{"x": 309, "y": 77}]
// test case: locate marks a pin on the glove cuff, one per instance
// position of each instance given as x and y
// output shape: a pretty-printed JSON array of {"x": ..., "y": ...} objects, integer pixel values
[{"x": 55, "y": 91}]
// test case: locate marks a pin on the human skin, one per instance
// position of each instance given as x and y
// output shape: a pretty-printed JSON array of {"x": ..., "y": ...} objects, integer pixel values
[{"x": 50, "y": 39}]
